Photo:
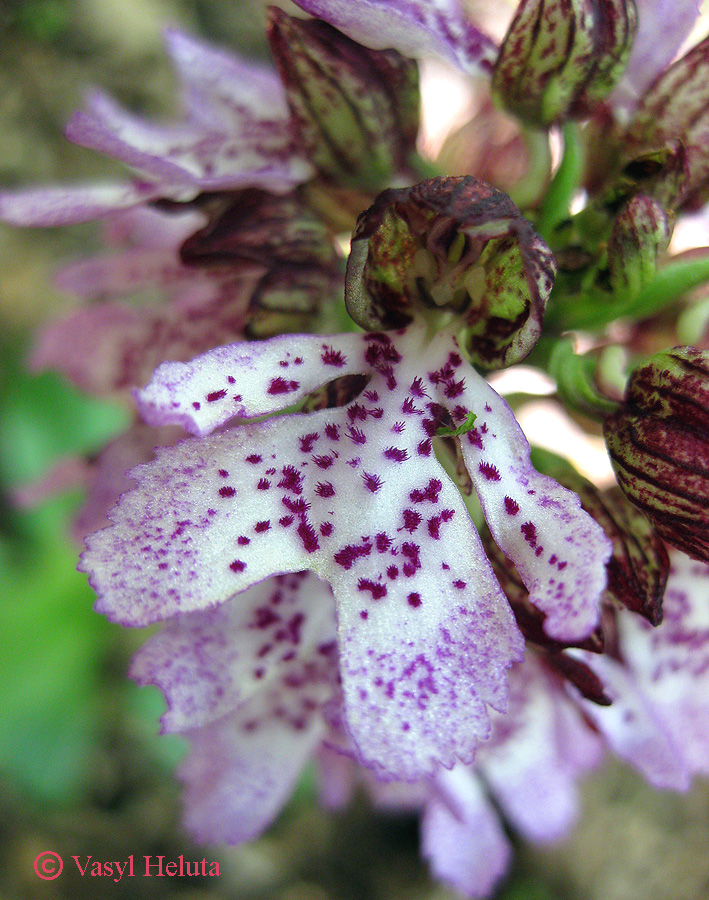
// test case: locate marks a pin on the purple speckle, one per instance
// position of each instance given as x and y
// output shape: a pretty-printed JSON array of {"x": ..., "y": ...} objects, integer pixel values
[
  {"x": 323, "y": 462},
  {"x": 196, "y": 405},
  {"x": 324, "y": 489},
  {"x": 326, "y": 529},
  {"x": 376, "y": 589},
  {"x": 292, "y": 480},
  {"x": 285, "y": 521},
  {"x": 254, "y": 458},
  {"x": 348, "y": 555},
  {"x": 264, "y": 484},
  {"x": 430, "y": 492},
  {"x": 237, "y": 566},
  {"x": 307, "y": 441},
  {"x": 395, "y": 454},
  {"x": 392, "y": 572},
  {"x": 216, "y": 395},
  {"x": 356, "y": 435},
  {"x": 414, "y": 599},
  {"x": 458, "y": 584},
  {"x": 242, "y": 540},
  {"x": 488, "y": 471},
  {"x": 333, "y": 432},
  {"x": 424, "y": 448},
  {"x": 260, "y": 527},
  {"x": 383, "y": 542},
  {"x": 282, "y": 386},
  {"x": 364, "y": 614},
  {"x": 227, "y": 491},
  {"x": 371, "y": 482},
  {"x": 332, "y": 357},
  {"x": 511, "y": 506},
  {"x": 307, "y": 534},
  {"x": 223, "y": 473},
  {"x": 530, "y": 533},
  {"x": 412, "y": 520}
]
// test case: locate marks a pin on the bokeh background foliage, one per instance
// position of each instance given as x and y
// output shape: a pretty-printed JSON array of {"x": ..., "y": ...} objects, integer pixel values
[{"x": 83, "y": 770}]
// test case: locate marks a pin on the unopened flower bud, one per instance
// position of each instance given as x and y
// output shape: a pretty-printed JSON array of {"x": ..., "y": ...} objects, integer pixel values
[
  {"x": 355, "y": 111},
  {"x": 675, "y": 112},
  {"x": 641, "y": 232},
  {"x": 452, "y": 248},
  {"x": 256, "y": 229},
  {"x": 560, "y": 57},
  {"x": 658, "y": 442}
]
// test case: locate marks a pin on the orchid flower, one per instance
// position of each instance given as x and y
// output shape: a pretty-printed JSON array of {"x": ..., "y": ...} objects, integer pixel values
[{"x": 425, "y": 634}]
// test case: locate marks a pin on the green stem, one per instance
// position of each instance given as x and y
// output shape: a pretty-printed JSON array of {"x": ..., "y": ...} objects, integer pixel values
[
  {"x": 528, "y": 192},
  {"x": 556, "y": 205}
]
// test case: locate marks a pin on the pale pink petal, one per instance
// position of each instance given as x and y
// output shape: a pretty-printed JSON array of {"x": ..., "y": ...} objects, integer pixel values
[
  {"x": 124, "y": 273},
  {"x": 462, "y": 838},
  {"x": 537, "y": 752},
  {"x": 220, "y": 89},
  {"x": 106, "y": 477},
  {"x": 241, "y": 770},
  {"x": 633, "y": 728},
  {"x": 187, "y": 160},
  {"x": 413, "y": 27},
  {"x": 50, "y": 207},
  {"x": 121, "y": 344}
]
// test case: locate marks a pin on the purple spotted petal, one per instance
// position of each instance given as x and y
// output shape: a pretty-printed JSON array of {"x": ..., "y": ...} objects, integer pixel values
[
  {"x": 462, "y": 838},
  {"x": 51, "y": 207},
  {"x": 209, "y": 664},
  {"x": 241, "y": 770},
  {"x": 186, "y": 160},
  {"x": 538, "y": 750},
  {"x": 558, "y": 549},
  {"x": 247, "y": 380},
  {"x": 413, "y": 27},
  {"x": 425, "y": 633},
  {"x": 650, "y": 55}
]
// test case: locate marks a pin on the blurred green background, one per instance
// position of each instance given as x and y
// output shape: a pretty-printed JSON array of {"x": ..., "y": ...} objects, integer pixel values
[{"x": 82, "y": 770}]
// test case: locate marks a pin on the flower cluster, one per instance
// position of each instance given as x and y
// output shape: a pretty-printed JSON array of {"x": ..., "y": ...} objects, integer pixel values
[{"x": 341, "y": 528}]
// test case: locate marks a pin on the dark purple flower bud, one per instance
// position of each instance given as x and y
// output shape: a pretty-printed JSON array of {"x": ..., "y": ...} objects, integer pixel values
[
  {"x": 256, "y": 229},
  {"x": 355, "y": 111},
  {"x": 641, "y": 232},
  {"x": 452, "y": 248},
  {"x": 658, "y": 442},
  {"x": 560, "y": 57},
  {"x": 675, "y": 111},
  {"x": 282, "y": 243}
]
